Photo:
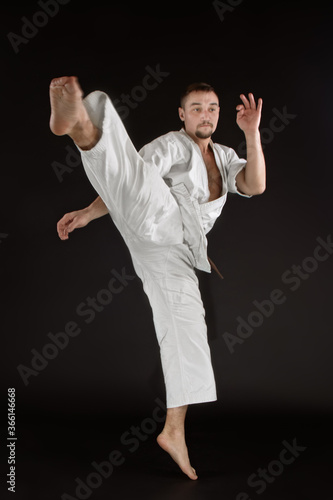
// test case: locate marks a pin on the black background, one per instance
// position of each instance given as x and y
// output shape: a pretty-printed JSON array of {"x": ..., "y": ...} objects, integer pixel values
[{"x": 110, "y": 373}]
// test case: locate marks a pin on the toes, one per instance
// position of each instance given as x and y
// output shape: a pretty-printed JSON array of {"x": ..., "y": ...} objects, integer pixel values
[
  {"x": 72, "y": 85},
  {"x": 57, "y": 82},
  {"x": 194, "y": 475},
  {"x": 68, "y": 84}
]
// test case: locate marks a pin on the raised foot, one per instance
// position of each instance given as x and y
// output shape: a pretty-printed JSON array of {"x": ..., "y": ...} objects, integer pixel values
[
  {"x": 177, "y": 449},
  {"x": 67, "y": 109}
]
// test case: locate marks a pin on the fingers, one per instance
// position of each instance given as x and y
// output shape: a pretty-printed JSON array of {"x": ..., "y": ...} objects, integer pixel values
[
  {"x": 249, "y": 103},
  {"x": 63, "y": 226},
  {"x": 245, "y": 101},
  {"x": 260, "y": 102},
  {"x": 62, "y": 231},
  {"x": 252, "y": 101}
]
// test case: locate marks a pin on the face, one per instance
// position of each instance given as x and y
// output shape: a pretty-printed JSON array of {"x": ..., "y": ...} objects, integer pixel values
[{"x": 200, "y": 114}]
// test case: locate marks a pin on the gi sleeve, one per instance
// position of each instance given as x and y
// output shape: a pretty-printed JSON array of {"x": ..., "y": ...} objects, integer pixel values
[
  {"x": 233, "y": 166},
  {"x": 161, "y": 152}
]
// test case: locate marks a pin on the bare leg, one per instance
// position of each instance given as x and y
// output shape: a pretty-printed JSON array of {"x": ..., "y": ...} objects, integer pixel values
[
  {"x": 172, "y": 439},
  {"x": 68, "y": 114}
]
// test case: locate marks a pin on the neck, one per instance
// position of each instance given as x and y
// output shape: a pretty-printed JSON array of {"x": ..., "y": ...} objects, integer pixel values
[{"x": 202, "y": 143}]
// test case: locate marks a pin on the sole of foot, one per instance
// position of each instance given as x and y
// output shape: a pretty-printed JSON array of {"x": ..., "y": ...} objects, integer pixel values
[{"x": 66, "y": 104}]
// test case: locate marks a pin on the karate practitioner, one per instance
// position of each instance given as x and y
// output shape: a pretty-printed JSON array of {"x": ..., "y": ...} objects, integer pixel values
[{"x": 164, "y": 200}]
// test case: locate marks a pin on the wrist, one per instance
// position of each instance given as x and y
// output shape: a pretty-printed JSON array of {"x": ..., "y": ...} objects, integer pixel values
[
  {"x": 253, "y": 140},
  {"x": 96, "y": 209},
  {"x": 252, "y": 135},
  {"x": 90, "y": 211}
]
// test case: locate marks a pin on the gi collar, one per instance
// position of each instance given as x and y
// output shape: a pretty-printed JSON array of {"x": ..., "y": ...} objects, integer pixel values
[{"x": 183, "y": 131}]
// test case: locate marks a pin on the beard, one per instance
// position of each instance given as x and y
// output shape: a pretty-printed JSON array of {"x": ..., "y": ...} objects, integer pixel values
[{"x": 201, "y": 134}]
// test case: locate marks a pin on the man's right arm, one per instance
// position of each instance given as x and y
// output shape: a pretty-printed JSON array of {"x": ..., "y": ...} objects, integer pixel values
[
  {"x": 97, "y": 208},
  {"x": 80, "y": 218}
]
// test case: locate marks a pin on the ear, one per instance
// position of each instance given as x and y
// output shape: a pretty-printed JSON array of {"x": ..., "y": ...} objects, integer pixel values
[{"x": 181, "y": 114}]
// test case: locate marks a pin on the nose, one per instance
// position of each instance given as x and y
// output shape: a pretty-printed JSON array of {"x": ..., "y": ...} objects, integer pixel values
[{"x": 204, "y": 115}]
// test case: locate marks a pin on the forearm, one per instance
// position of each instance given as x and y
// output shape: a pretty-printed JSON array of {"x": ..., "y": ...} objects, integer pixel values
[
  {"x": 254, "y": 176},
  {"x": 97, "y": 209}
]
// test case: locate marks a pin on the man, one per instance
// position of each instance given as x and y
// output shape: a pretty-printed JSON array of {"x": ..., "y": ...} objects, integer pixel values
[{"x": 164, "y": 201}]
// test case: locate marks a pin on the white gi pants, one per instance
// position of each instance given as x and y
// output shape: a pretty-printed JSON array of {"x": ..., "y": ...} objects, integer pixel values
[{"x": 150, "y": 221}]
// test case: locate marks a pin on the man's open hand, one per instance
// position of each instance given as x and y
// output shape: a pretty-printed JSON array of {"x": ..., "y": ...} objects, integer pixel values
[
  {"x": 249, "y": 114},
  {"x": 71, "y": 221}
]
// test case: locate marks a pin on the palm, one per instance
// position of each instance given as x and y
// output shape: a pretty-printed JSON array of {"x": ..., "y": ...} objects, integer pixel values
[{"x": 249, "y": 114}]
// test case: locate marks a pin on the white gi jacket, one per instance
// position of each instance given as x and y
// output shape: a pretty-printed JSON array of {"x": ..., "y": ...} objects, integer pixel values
[{"x": 179, "y": 161}]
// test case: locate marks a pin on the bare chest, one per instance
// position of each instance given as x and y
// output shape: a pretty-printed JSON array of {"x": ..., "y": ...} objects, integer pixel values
[{"x": 213, "y": 174}]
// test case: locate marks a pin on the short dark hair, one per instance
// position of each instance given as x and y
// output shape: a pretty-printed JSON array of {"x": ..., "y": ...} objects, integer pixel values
[{"x": 195, "y": 87}]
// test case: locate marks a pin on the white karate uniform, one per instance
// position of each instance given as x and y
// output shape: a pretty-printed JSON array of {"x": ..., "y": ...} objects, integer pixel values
[{"x": 158, "y": 200}]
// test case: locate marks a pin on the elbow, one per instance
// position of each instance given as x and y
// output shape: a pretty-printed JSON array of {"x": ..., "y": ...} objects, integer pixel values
[
  {"x": 260, "y": 189},
  {"x": 255, "y": 190},
  {"x": 260, "y": 185}
]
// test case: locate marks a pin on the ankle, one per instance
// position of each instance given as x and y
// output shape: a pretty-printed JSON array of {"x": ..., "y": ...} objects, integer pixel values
[
  {"x": 173, "y": 432},
  {"x": 85, "y": 134}
]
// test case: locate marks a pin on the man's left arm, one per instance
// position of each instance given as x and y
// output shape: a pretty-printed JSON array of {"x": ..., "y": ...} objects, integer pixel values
[{"x": 251, "y": 180}]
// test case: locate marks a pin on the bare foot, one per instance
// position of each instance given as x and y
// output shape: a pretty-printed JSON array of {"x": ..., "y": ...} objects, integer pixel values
[
  {"x": 174, "y": 444},
  {"x": 68, "y": 114},
  {"x": 66, "y": 102}
]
